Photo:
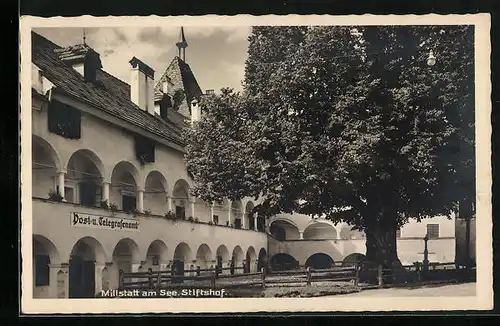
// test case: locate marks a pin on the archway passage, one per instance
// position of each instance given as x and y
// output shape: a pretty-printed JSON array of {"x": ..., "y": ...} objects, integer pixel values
[
  {"x": 44, "y": 254},
  {"x": 262, "y": 262},
  {"x": 249, "y": 216},
  {"x": 237, "y": 260},
  {"x": 84, "y": 178},
  {"x": 222, "y": 258},
  {"x": 353, "y": 260},
  {"x": 82, "y": 268},
  {"x": 156, "y": 254},
  {"x": 124, "y": 185},
  {"x": 45, "y": 163},
  {"x": 155, "y": 192},
  {"x": 180, "y": 198},
  {"x": 284, "y": 230},
  {"x": 204, "y": 256},
  {"x": 283, "y": 262},
  {"x": 320, "y": 231},
  {"x": 250, "y": 260},
  {"x": 320, "y": 261},
  {"x": 182, "y": 257}
]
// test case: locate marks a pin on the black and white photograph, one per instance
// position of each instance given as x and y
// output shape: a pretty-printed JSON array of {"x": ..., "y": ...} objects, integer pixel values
[{"x": 246, "y": 163}]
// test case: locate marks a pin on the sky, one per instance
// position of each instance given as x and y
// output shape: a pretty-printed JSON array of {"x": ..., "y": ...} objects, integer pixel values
[{"x": 216, "y": 55}]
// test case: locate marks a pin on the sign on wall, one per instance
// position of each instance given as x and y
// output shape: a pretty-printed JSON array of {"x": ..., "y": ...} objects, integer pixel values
[{"x": 103, "y": 222}]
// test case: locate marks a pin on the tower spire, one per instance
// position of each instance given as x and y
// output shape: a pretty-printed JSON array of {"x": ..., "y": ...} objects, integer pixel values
[
  {"x": 84, "y": 36},
  {"x": 182, "y": 45}
]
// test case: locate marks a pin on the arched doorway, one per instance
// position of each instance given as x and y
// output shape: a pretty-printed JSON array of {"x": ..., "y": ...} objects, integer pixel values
[
  {"x": 84, "y": 178},
  {"x": 250, "y": 260},
  {"x": 221, "y": 259},
  {"x": 283, "y": 262},
  {"x": 155, "y": 192},
  {"x": 320, "y": 261},
  {"x": 237, "y": 260},
  {"x": 126, "y": 257},
  {"x": 44, "y": 254},
  {"x": 82, "y": 277},
  {"x": 262, "y": 261}
]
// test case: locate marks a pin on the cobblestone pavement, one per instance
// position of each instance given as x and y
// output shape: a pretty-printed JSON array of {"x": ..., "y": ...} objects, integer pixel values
[{"x": 467, "y": 289}]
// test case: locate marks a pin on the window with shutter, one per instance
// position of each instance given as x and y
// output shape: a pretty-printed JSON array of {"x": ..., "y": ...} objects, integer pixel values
[{"x": 64, "y": 120}]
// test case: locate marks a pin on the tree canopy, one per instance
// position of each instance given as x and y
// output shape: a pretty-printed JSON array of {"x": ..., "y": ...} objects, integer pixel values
[{"x": 345, "y": 117}]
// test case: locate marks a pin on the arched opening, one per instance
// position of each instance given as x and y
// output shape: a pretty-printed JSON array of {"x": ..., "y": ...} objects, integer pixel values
[
  {"x": 249, "y": 215},
  {"x": 283, "y": 262},
  {"x": 204, "y": 256},
  {"x": 262, "y": 261},
  {"x": 261, "y": 223},
  {"x": 237, "y": 260},
  {"x": 155, "y": 192},
  {"x": 83, "y": 183},
  {"x": 124, "y": 181},
  {"x": 156, "y": 255},
  {"x": 347, "y": 233},
  {"x": 353, "y": 260},
  {"x": 221, "y": 209},
  {"x": 222, "y": 257},
  {"x": 82, "y": 277},
  {"x": 182, "y": 258},
  {"x": 320, "y": 261},
  {"x": 283, "y": 230},
  {"x": 126, "y": 256},
  {"x": 250, "y": 261},
  {"x": 44, "y": 254},
  {"x": 180, "y": 198},
  {"x": 237, "y": 211},
  {"x": 320, "y": 231},
  {"x": 44, "y": 167}
]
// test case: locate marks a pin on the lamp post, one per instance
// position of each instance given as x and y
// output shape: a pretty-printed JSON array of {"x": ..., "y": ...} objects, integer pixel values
[{"x": 425, "y": 266}]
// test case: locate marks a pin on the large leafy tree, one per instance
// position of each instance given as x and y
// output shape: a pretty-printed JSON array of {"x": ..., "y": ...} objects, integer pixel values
[{"x": 346, "y": 123}]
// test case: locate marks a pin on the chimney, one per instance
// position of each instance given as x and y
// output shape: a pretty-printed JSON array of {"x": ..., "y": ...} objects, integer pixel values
[
  {"x": 142, "y": 85},
  {"x": 195, "y": 111}
]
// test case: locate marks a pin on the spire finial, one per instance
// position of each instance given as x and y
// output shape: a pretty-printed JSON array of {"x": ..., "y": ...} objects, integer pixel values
[
  {"x": 84, "y": 36},
  {"x": 182, "y": 45}
]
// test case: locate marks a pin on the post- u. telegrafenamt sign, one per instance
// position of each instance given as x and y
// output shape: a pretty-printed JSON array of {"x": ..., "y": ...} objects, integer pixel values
[{"x": 103, "y": 222}]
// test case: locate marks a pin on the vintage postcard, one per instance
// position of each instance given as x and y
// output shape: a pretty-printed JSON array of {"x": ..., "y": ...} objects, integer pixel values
[{"x": 240, "y": 164}]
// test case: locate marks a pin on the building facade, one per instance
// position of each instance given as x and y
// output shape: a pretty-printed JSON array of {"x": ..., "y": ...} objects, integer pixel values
[{"x": 109, "y": 185}]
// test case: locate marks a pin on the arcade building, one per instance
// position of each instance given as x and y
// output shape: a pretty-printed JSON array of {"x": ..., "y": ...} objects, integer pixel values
[{"x": 110, "y": 189}]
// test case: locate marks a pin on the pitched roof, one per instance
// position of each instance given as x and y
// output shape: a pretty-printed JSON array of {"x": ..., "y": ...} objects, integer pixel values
[
  {"x": 181, "y": 76},
  {"x": 109, "y": 94}
]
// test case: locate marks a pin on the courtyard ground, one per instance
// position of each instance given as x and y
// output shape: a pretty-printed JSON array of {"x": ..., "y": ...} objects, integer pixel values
[{"x": 464, "y": 289}]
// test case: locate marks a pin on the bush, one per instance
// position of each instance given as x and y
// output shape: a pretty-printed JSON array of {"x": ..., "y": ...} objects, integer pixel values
[{"x": 55, "y": 196}]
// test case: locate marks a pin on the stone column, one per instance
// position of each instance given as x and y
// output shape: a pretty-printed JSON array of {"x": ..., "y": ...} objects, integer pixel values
[
  {"x": 105, "y": 191},
  {"x": 244, "y": 219},
  {"x": 140, "y": 200},
  {"x": 191, "y": 206},
  {"x": 212, "y": 212},
  {"x": 60, "y": 182},
  {"x": 229, "y": 212},
  {"x": 301, "y": 235},
  {"x": 169, "y": 204},
  {"x": 99, "y": 266},
  {"x": 58, "y": 281},
  {"x": 255, "y": 216}
]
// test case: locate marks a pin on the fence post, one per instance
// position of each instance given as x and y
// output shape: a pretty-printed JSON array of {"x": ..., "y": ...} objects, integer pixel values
[
  {"x": 213, "y": 280},
  {"x": 308, "y": 275},
  {"x": 120, "y": 279},
  {"x": 417, "y": 270},
  {"x": 380, "y": 275},
  {"x": 158, "y": 280},
  {"x": 356, "y": 280},
  {"x": 263, "y": 276},
  {"x": 198, "y": 271},
  {"x": 150, "y": 278}
]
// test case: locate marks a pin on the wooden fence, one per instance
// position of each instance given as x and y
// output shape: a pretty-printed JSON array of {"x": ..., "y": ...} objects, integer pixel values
[{"x": 356, "y": 273}]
